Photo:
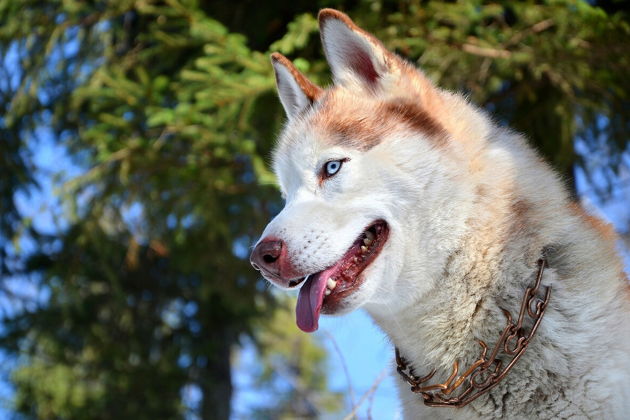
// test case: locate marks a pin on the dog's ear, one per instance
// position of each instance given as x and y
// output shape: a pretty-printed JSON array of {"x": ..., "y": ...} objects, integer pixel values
[
  {"x": 354, "y": 55},
  {"x": 295, "y": 90}
]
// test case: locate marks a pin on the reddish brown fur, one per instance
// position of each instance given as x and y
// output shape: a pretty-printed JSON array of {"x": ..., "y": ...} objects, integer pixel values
[
  {"x": 359, "y": 133},
  {"x": 362, "y": 64},
  {"x": 326, "y": 14},
  {"x": 413, "y": 85},
  {"x": 605, "y": 230},
  {"x": 520, "y": 209},
  {"x": 361, "y": 123},
  {"x": 363, "y": 127},
  {"x": 311, "y": 90},
  {"x": 415, "y": 117}
]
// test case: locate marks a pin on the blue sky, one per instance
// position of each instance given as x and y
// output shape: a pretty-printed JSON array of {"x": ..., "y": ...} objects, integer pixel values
[{"x": 366, "y": 353}]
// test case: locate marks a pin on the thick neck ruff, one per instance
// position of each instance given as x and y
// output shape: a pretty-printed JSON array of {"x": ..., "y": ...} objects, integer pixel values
[{"x": 489, "y": 369}]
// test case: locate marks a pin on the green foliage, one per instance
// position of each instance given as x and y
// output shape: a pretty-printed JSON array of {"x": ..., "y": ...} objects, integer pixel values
[
  {"x": 115, "y": 326},
  {"x": 149, "y": 291},
  {"x": 62, "y": 390},
  {"x": 169, "y": 108}
]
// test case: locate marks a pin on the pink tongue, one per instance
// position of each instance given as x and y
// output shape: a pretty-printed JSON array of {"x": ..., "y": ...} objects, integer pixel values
[{"x": 310, "y": 300}]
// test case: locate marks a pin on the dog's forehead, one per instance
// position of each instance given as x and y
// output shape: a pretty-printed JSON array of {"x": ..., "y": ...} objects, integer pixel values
[
  {"x": 331, "y": 120},
  {"x": 358, "y": 121},
  {"x": 348, "y": 119}
]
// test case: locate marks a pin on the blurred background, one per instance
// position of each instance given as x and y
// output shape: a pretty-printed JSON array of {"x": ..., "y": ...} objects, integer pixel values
[{"x": 135, "y": 138}]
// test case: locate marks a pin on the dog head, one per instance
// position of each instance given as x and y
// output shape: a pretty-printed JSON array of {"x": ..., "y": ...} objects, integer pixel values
[{"x": 369, "y": 175}]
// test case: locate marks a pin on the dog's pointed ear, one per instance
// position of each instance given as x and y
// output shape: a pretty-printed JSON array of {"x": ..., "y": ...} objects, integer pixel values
[
  {"x": 354, "y": 55},
  {"x": 295, "y": 90}
]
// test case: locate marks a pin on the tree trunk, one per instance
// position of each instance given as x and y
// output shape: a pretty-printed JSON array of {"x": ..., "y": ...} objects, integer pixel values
[{"x": 216, "y": 380}]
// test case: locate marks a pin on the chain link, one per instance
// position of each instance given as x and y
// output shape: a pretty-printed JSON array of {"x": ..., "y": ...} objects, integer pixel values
[{"x": 485, "y": 373}]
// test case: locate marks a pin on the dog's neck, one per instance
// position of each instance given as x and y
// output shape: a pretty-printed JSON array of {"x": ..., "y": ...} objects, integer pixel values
[
  {"x": 444, "y": 325},
  {"x": 464, "y": 303},
  {"x": 493, "y": 364}
]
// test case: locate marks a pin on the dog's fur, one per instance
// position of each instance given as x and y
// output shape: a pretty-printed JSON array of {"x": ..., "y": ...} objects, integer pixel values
[{"x": 471, "y": 208}]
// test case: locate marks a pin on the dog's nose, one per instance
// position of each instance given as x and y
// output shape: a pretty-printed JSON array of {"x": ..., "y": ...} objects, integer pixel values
[{"x": 266, "y": 256}]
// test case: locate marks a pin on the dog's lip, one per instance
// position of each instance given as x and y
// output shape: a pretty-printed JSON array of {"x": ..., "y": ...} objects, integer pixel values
[
  {"x": 325, "y": 290},
  {"x": 348, "y": 274},
  {"x": 343, "y": 289},
  {"x": 297, "y": 282}
]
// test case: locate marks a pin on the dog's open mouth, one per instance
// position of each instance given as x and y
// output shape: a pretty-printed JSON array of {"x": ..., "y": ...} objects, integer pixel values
[{"x": 323, "y": 291}]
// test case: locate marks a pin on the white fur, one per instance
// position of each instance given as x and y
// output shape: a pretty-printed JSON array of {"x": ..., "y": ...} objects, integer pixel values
[
  {"x": 291, "y": 96},
  {"x": 458, "y": 248},
  {"x": 339, "y": 42}
]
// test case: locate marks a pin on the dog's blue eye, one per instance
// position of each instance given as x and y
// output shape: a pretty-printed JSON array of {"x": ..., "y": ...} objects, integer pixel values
[{"x": 332, "y": 167}]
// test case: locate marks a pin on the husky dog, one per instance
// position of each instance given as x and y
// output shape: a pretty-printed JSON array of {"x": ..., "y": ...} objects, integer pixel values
[{"x": 408, "y": 201}]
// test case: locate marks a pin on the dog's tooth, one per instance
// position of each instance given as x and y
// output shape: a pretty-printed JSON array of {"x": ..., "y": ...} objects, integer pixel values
[
  {"x": 367, "y": 241},
  {"x": 363, "y": 249},
  {"x": 331, "y": 283},
  {"x": 327, "y": 292},
  {"x": 369, "y": 235}
]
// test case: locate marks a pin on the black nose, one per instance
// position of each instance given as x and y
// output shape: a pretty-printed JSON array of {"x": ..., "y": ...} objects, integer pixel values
[{"x": 266, "y": 256}]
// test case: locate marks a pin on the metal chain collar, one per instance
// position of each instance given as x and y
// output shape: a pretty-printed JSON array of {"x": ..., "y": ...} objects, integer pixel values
[{"x": 488, "y": 370}]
